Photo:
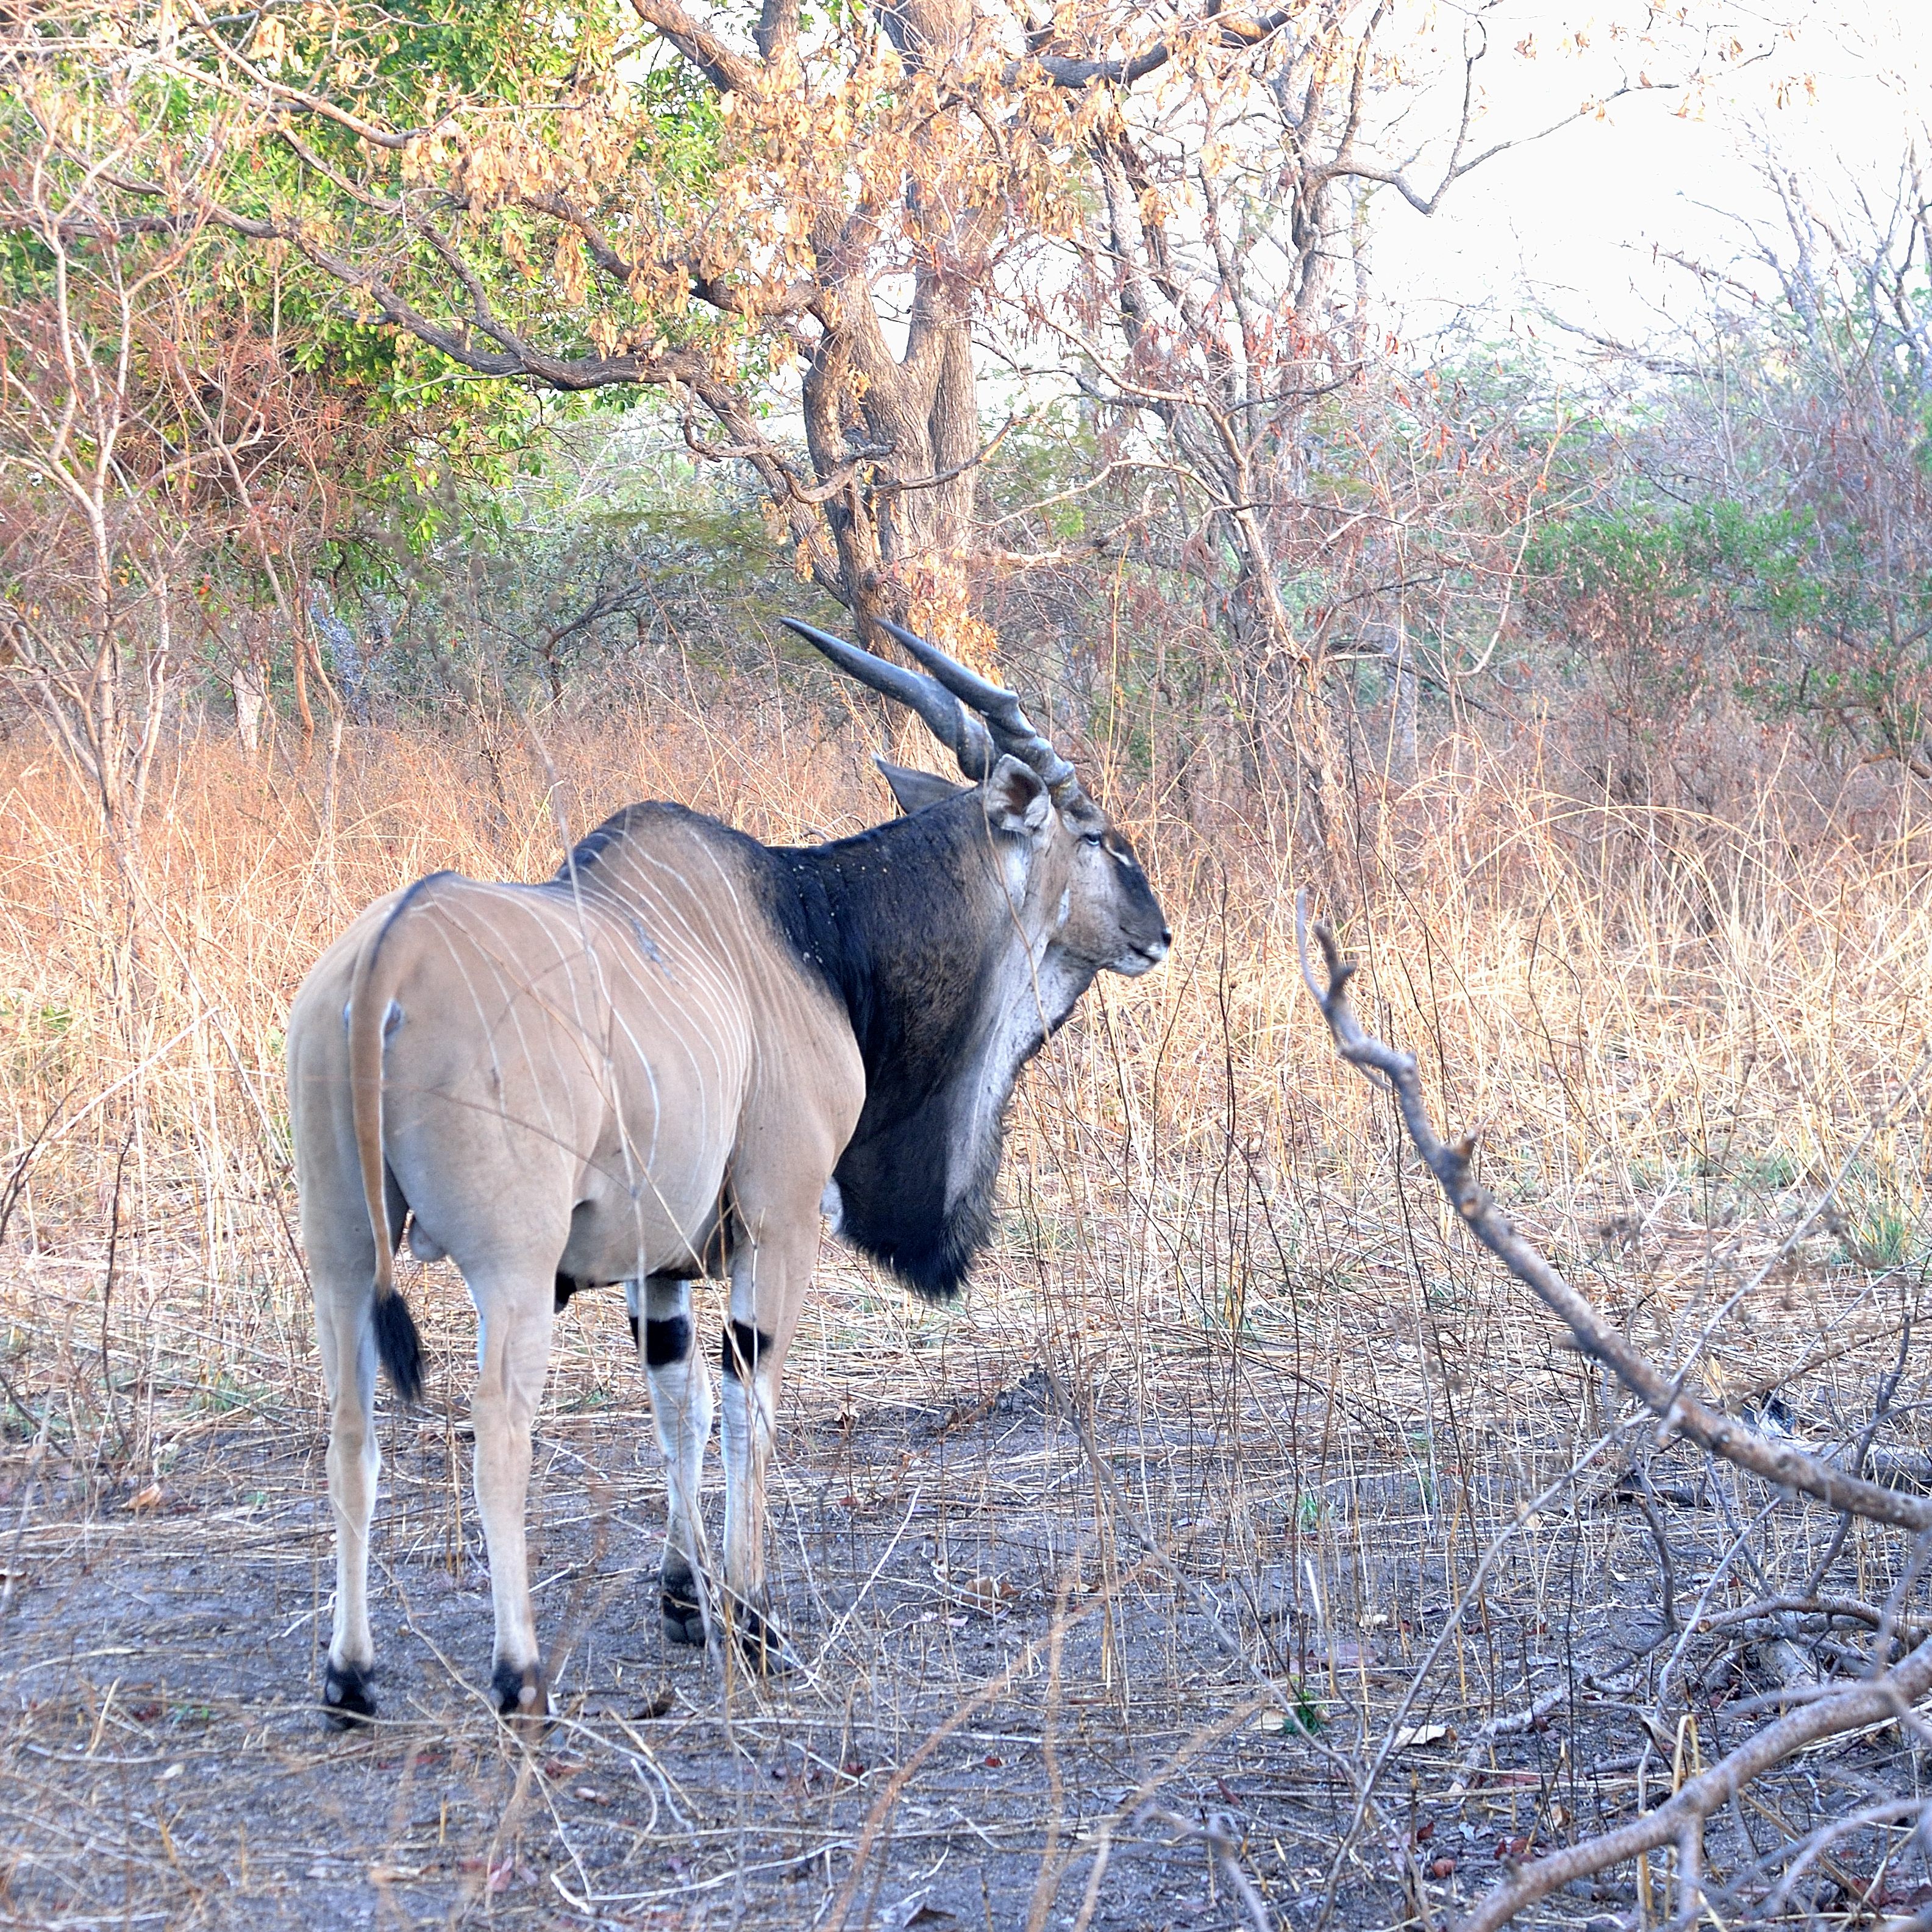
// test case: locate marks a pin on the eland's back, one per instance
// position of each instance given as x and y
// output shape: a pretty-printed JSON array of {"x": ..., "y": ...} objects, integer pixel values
[{"x": 571, "y": 1068}]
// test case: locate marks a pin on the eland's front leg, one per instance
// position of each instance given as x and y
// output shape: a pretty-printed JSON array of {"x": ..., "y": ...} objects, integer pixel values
[
  {"x": 680, "y": 1389},
  {"x": 769, "y": 1277},
  {"x": 513, "y": 1354}
]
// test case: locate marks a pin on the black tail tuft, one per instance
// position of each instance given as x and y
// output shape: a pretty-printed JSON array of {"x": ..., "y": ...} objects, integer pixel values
[{"x": 398, "y": 1346}]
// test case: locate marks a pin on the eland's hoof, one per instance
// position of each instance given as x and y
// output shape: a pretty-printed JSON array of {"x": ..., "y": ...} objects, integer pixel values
[
  {"x": 761, "y": 1641},
  {"x": 519, "y": 1691},
  {"x": 346, "y": 1698},
  {"x": 683, "y": 1616}
]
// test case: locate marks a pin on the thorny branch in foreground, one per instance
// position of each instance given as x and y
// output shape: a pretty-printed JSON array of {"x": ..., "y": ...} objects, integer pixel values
[{"x": 1887, "y": 1691}]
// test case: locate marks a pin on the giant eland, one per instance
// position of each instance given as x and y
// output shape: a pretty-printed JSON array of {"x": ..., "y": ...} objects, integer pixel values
[{"x": 666, "y": 1063}]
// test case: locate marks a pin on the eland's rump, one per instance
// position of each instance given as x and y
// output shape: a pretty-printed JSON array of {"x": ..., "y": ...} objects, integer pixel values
[{"x": 568, "y": 1068}]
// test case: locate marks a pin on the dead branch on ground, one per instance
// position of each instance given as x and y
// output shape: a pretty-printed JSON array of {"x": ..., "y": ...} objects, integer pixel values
[{"x": 1885, "y": 1692}]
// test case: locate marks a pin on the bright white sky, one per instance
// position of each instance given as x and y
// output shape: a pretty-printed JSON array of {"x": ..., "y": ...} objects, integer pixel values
[{"x": 1572, "y": 224}]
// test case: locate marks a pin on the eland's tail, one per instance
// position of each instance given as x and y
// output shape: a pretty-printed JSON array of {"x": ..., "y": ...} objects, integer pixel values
[{"x": 397, "y": 1345}]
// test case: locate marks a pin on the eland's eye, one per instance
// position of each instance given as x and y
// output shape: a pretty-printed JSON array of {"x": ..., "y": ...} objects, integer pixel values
[{"x": 1091, "y": 838}]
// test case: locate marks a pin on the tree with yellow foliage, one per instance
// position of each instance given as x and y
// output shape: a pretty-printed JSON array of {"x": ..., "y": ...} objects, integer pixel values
[{"x": 817, "y": 233}]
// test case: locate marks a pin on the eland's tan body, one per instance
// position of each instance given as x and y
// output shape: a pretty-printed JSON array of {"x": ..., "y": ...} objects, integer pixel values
[{"x": 663, "y": 1064}]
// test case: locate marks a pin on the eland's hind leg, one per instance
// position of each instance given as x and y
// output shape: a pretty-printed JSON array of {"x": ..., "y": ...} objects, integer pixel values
[
  {"x": 513, "y": 1313},
  {"x": 681, "y": 1409},
  {"x": 347, "y": 1341}
]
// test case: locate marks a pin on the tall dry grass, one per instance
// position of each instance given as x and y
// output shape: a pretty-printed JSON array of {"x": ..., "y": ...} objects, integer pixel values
[
  {"x": 1660, "y": 1020},
  {"x": 1675, "y": 1030}
]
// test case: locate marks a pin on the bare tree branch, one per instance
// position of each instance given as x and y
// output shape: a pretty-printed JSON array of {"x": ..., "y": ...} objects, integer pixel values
[
  {"x": 727, "y": 70},
  {"x": 1679, "y": 1412},
  {"x": 1825, "y": 1711}
]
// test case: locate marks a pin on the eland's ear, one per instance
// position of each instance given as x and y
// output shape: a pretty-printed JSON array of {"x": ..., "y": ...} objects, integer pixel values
[
  {"x": 1017, "y": 800},
  {"x": 915, "y": 791}
]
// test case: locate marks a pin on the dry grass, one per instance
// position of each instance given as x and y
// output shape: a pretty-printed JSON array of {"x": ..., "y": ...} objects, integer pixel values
[{"x": 1231, "y": 1412}]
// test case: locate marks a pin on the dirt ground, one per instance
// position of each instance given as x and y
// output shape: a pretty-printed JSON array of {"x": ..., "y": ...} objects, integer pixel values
[{"x": 1097, "y": 1627}]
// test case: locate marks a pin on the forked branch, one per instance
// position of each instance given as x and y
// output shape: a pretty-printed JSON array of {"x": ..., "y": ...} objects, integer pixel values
[
  {"x": 1678, "y": 1411},
  {"x": 1883, "y": 1695}
]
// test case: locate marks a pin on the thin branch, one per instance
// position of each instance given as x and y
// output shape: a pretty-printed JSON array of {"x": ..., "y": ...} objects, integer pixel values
[
  {"x": 1679, "y": 1412},
  {"x": 1887, "y": 1695}
]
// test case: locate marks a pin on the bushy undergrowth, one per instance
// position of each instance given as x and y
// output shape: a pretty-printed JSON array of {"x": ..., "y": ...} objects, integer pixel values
[{"x": 1677, "y": 1028}]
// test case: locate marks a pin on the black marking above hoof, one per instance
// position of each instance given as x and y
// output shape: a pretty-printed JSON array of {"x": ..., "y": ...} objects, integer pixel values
[
  {"x": 683, "y": 1615},
  {"x": 519, "y": 1690},
  {"x": 667, "y": 1340},
  {"x": 744, "y": 1347},
  {"x": 761, "y": 1641},
  {"x": 346, "y": 1697}
]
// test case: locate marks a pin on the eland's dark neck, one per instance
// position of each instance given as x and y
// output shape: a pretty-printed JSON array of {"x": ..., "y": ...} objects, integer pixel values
[
  {"x": 909, "y": 924},
  {"x": 900, "y": 922}
]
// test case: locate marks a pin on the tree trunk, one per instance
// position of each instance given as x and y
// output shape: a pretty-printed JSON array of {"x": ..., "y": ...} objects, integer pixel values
[
  {"x": 1399, "y": 758},
  {"x": 895, "y": 439},
  {"x": 248, "y": 684},
  {"x": 1288, "y": 724}
]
